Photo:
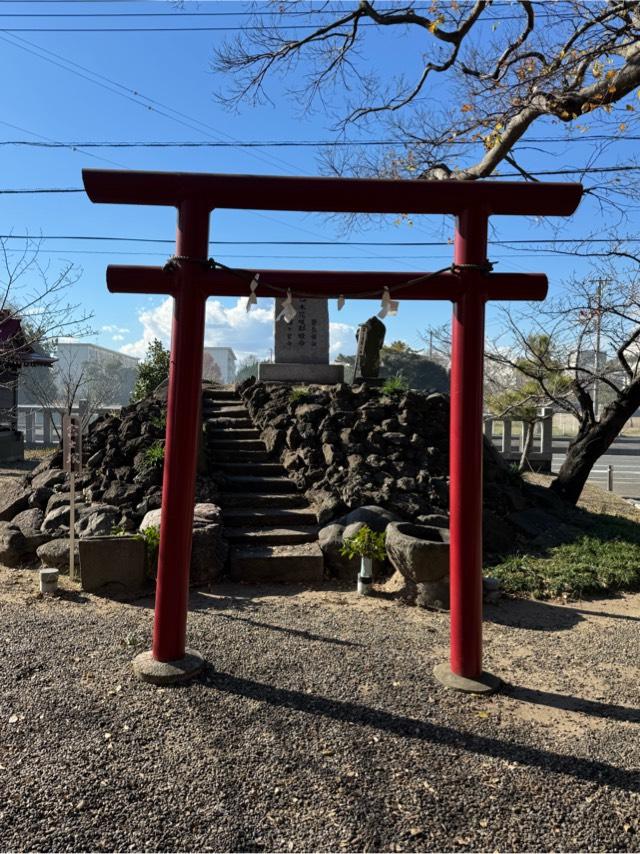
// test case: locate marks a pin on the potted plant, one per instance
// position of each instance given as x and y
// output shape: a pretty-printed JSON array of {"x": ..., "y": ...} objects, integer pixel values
[{"x": 368, "y": 546}]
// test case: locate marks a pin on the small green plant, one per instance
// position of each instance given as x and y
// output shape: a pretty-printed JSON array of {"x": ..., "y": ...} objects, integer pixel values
[
  {"x": 366, "y": 543},
  {"x": 298, "y": 393},
  {"x": 153, "y": 457},
  {"x": 119, "y": 531},
  {"x": 395, "y": 385},
  {"x": 151, "y": 538},
  {"x": 159, "y": 421}
]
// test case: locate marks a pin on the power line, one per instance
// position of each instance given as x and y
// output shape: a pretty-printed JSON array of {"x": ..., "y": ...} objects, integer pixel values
[
  {"x": 133, "y": 95},
  {"x": 411, "y": 243},
  {"x": 246, "y": 257},
  {"x": 238, "y": 14},
  {"x": 38, "y": 190},
  {"x": 48, "y": 140},
  {"x": 487, "y": 19},
  {"x": 146, "y": 103},
  {"x": 318, "y": 143},
  {"x": 242, "y": 28}
]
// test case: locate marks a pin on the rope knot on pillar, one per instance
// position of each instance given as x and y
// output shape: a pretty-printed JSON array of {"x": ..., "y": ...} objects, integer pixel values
[
  {"x": 176, "y": 260},
  {"x": 485, "y": 268}
]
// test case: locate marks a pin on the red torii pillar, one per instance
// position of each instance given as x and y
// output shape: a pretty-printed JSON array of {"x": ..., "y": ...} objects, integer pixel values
[{"x": 190, "y": 281}]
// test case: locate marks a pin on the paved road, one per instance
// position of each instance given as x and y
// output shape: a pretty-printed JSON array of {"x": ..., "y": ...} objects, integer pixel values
[{"x": 623, "y": 456}]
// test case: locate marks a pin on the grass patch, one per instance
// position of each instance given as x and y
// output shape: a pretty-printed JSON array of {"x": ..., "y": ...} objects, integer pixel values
[
  {"x": 395, "y": 385},
  {"x": 298, "y": 393},
  {"x": 153, "y": 457},
  {"x": 605, "y": 559}
]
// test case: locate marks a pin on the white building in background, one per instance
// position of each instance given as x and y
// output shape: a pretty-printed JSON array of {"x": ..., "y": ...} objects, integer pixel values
[
  {"x": 74, "y": 357},
  {"x": 225, "y": 360},
  {"x": 74, "y": 371}
]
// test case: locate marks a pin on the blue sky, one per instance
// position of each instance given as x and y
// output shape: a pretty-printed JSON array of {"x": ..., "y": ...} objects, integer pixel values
[{"x": 44, "y": 98}]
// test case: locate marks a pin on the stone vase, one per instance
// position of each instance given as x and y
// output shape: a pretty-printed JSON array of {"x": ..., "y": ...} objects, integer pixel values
[{"x": 421, "y": 554}]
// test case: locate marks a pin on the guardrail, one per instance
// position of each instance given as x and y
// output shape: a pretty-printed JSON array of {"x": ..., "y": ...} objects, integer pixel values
[{"x": 620, "y": 476}]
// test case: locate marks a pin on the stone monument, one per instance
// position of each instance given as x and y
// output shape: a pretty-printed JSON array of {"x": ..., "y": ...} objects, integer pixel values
[
  {"x": 302, "y": 346},
  {"x": 370, "y": 340}
]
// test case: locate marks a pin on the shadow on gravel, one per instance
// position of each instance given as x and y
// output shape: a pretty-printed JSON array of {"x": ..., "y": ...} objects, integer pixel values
[
  {"x": 524, "y": 754},
  {"x": 607, "y": 615},
  {"x": 573, "y": 704},
  {"x": 71, "y": 596},
  {"x": 533, "y": 614},
  {"x": 289, "y": 631}
]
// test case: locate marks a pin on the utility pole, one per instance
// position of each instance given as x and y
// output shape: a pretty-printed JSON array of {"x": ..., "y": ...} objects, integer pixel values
[{"x": 596, "y": 361}]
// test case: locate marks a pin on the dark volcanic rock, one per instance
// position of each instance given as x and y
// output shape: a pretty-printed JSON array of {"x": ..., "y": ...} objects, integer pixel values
[
  {"x": 117, "y": 487},
  {"x": 349, "y": 447},
  {"x": 14, "y": 548},
  {"x": 14, "y": 501}
]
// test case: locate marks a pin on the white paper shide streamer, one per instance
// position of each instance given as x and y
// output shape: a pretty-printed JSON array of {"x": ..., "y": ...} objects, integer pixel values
[
  {"x": 341, "y": 302},
  {"x": 288, "y": 311},
  {"x": 253, "y": 299},
  {"x": 388, "y": 306}
]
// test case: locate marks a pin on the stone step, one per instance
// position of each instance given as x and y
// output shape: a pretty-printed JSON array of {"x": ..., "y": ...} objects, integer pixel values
[
  {"x": 250, "y": 503},
  {"x": 225, "y": 433},
  {"x": 238, "y": 446},
  {"x": 232, "y": 433},
  {"x": 244, "y": 483},
  {"x": 301, "y": 563},
  {"x": 240, "y": 456},
  {"x": 225, "y": 412},
  {"x": 271, "y": 536},
  {"x": 221, "y": 394},
  {"x": 260, "y": 469},
  {"x": 260, "y": 516},
  {"x": 224, "y": 424}
]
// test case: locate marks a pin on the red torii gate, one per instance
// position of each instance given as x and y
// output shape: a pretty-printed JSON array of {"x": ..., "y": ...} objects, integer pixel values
[{"x": 190, "y": 279}]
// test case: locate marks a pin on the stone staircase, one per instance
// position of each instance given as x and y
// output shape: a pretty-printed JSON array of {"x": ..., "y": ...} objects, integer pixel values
[{"x": 272, "y": 531}]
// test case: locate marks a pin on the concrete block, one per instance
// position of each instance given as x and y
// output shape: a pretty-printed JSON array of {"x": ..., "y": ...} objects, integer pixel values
[{"x": 112, "y": 560}]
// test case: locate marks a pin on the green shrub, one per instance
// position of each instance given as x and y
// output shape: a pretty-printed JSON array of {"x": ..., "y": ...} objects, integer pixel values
[
  {"x": 151, "y": 537},
  {"x": 298, "y": 393},
  {"x": 395, "y": 385},
  {"x": 366, "y": 543},
  {"x": 153, "y": 457},
  {"x": 603, "y": 560}
]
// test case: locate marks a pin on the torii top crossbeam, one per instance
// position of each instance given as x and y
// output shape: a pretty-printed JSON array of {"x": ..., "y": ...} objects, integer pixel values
[
  {"x": 190, "y": 279},
  {"x": 334, "y": 195}
]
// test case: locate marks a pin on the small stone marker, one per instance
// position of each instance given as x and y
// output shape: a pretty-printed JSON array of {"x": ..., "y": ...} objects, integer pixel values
[
  {"x": 48, "y": 580},
  {"x": 302, "y": 346}
]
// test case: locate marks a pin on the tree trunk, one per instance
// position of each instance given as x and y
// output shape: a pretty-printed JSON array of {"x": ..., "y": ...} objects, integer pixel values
[
  {"x": 592, "y": 441},
  {"x": 527, "y": 441}
]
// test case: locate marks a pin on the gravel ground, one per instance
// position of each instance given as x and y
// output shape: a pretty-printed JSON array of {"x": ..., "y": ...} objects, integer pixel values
[{"x": 317, "y": 726}]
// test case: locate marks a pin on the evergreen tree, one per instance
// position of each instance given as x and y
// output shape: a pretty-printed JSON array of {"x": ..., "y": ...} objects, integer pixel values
[{"x": 152, "y": 370}]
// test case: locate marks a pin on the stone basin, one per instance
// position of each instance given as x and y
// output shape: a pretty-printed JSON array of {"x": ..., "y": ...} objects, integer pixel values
[{"x": 419, "y": 552}]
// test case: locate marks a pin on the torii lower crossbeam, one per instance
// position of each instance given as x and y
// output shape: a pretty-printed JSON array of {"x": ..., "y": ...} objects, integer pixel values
[{"x": 190, "y": 281}]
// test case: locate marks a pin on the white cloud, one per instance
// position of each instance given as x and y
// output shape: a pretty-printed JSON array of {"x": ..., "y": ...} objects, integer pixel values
[
  {"x": 112, "y": 328},
  {"x": 342, "y": 339},
  {"x": 247, "y": 333},
  {"x": 244, "y": 332},
  {"x": 117, "y": 337}
]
